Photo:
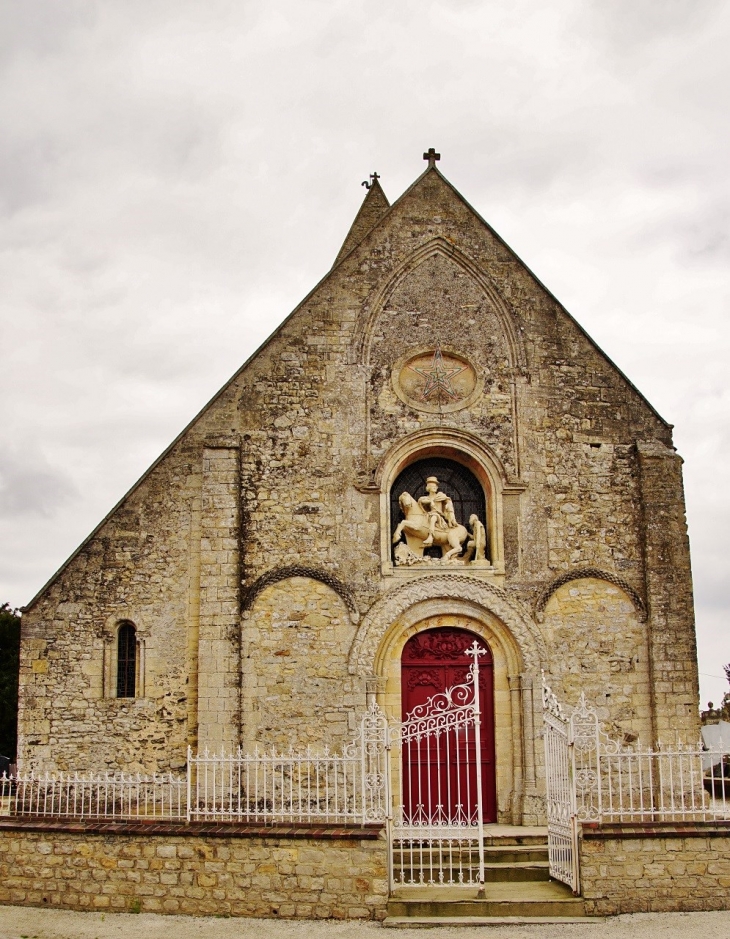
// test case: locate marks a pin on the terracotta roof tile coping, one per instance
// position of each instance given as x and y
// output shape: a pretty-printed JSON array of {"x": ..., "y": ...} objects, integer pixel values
[
  {"x": 194, "y": 829},
  {"x": 656, "y": 829}
]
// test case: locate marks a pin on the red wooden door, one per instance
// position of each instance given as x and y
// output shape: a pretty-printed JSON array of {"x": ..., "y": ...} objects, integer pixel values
[{"x": 439, "y": 774}]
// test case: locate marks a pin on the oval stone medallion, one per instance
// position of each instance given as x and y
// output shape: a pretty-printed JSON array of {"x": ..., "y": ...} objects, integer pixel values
[{"x": 436, "y": 380}]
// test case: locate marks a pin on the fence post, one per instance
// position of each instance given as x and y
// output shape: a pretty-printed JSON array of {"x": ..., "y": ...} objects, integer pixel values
[
  {"x": 389, "y": 806},
  {"x": 474, "y": 651},
  {"x": 575, "y": 843},
  {"x": 188, "y": 787},
  {"x": 363, "y": 769}
]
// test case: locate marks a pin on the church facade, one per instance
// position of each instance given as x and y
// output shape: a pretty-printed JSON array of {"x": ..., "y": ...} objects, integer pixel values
[{"x": 429, "y": 450}]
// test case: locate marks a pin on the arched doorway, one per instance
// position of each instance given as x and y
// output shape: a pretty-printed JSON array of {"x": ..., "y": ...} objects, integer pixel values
[{"x": 442, "y": 781}]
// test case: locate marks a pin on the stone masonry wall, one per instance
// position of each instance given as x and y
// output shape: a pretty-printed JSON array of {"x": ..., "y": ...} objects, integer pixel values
[
  {"x": 658, "y": 868},
  {"x": 287, "y": 877},
  {"x": 296, "y": 687},
  {"x": 136, "y": 568},
  {"x": 674, "y": 677},
  {"x": 219, "y": 676},
  {"x": 601, "y": 649}
]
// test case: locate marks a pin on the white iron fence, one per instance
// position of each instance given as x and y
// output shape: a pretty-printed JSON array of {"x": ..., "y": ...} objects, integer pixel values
[
  {"x": 625, "y": 784},
  {"x": 614, "y": 782},
  {"x": 94, "y": 795},
  {"x": 302, "y": 786},
  {"x": 560, "y": 792},
  {"x": 296, "y": 786}
]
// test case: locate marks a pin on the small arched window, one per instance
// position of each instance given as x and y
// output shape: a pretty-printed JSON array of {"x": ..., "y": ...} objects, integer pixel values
[{"x": 126, "y": 660}]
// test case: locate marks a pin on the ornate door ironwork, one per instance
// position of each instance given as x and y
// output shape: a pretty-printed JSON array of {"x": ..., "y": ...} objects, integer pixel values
[{"x": 447, "y": 786}]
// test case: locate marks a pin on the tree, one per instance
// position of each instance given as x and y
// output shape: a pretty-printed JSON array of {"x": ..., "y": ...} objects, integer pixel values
[{"x": 9, "y": 668}]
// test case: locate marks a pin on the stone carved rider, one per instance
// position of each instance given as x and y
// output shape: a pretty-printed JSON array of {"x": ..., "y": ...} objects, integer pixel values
[
  {"x": 431, "y": 520},
  {"x": 439, "y": 508}
]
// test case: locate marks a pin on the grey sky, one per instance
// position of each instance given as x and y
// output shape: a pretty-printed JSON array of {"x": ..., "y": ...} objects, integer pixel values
[{"x": 175, "y": 177}]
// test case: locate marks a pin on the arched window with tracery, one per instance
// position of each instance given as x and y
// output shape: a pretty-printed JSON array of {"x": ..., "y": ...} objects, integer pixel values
[
  {"x": 126, "y": 660},
  {"x": 454, "y": 479}
]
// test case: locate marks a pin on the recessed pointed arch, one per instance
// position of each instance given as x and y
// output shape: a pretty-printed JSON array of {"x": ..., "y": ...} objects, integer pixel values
[{"x": 441, "y": 247}]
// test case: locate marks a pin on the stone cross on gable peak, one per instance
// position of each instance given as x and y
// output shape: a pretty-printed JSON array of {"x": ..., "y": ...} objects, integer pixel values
[{"x": 431, "y": 156}]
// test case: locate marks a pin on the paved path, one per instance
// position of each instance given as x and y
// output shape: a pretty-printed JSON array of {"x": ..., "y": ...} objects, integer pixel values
[{"x": 18, "y": 922}]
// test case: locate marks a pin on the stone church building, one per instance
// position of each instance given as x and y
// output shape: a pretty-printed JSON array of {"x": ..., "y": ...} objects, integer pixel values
[{"x": 429, "y": 450}]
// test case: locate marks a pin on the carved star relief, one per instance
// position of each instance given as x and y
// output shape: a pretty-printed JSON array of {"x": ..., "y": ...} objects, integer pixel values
[{"x": 439, "y": 377}]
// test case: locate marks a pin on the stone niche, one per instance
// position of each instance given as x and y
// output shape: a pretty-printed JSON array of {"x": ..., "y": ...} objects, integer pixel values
[{"x": 467, "y": 523}]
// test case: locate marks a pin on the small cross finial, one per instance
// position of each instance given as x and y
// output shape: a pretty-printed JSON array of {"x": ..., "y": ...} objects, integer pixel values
[
  {"x": 431, "y": 156},
  {"x": 475, "y": 650},
  {"x": 373, "y": 177}
]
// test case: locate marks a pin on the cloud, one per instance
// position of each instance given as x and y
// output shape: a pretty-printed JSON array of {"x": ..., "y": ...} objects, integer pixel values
[
  {"x": 29, "y": 485},
  {"x": 175, "y": 177}
]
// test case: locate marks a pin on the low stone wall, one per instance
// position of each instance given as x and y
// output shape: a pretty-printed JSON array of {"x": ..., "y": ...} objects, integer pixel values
[
  {"x": 655, "y": 868},
  {"x": 298, "y": 872}
]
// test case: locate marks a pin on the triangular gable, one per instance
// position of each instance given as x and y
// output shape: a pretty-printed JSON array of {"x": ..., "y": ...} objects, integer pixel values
[{"x": 370, "y": 221}]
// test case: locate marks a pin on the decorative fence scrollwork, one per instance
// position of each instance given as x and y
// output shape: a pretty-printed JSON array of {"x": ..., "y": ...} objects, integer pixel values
[
  {"x": 561, "y": 791},
  {"x": 437, "y": 834},
  {"x": 591, "y": 777}
]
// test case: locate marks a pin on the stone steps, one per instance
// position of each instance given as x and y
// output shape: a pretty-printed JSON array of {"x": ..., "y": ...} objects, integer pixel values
[
  {"x": 414, "y": 922},
  {"x": 503, "y": 900},
  {"x": 513, "y": 854},
  {"x": 518, "y": 888}
]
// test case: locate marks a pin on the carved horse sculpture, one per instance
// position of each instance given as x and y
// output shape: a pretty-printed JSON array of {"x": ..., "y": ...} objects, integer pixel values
[{"x": 415, "y": 527}]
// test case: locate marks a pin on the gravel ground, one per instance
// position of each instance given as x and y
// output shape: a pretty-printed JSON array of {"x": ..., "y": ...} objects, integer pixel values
[{"x": 18, "y": 922}]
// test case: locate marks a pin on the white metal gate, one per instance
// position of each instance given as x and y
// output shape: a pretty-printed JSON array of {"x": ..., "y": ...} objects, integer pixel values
[
  {"x": 437, "y": 832},
  {"x": 561, "y": 803}
]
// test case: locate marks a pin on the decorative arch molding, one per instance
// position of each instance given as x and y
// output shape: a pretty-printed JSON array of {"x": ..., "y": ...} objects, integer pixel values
[
  {"x": 463, "y": 447},
  {"x": 440, "y": 246},
  {"x": 447, "y": 440},
  {"x": 421, "y": 616},
  {"x": 593, "y": 573},
  {"x": 460, "y": 587},
  {"x": 284, "y": 573}
]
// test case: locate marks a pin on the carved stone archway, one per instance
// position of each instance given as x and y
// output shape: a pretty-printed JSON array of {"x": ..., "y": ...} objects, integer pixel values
[
  {"x": 469, "y": 450},
  {"x": 459, "y": 587},
  {"x": 519, "y": 651}
]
